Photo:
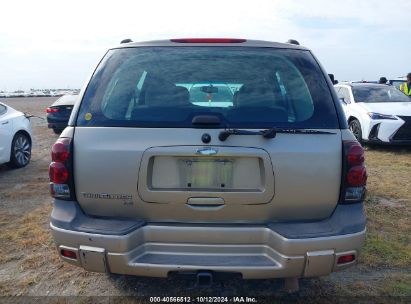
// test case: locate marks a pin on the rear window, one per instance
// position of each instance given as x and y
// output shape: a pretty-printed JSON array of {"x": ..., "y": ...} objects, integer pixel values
[
  {"x": 244, "y": 87},
  {"x": 382, "y": 93}
]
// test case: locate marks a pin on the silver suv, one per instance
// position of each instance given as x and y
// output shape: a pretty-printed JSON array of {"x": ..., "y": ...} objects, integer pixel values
[{"x": 208, "y": 156}]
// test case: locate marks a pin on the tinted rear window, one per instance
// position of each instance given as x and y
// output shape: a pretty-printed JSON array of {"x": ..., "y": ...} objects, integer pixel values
[{"x": 244, "y": 87}]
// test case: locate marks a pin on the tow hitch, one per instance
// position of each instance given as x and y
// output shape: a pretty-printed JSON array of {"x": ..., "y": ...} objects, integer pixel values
[{"x": 204, "y": 279}]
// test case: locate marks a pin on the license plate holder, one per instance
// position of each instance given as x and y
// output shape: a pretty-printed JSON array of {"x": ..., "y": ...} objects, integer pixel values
[{"x": 206, "y": 173}]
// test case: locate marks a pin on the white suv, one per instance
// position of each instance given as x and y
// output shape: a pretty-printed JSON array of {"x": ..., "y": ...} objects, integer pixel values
[{"x": 376, "y": 113}]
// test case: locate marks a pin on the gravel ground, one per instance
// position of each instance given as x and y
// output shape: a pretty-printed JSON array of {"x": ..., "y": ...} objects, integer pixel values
[{"x": 30, "y": 266}]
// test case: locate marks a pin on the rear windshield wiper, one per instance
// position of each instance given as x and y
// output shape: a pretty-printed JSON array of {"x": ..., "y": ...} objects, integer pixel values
[{"x": 268, "y": 133}]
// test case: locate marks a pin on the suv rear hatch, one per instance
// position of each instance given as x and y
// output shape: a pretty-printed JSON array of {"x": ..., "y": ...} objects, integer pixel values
[{"x": 146, "y": 142}]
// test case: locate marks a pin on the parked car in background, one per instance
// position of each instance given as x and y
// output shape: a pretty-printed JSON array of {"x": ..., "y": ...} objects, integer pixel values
[
  {"x": 151, "y": 178},
  {"x": 15, "y": 137},
  {"x": 376, "y": 113},
  {"x": 59, "y": 112}
]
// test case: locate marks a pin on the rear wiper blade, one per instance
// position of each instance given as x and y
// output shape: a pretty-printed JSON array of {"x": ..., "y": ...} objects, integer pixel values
[
  {"x": 268, "y": 133},
  {"x": 226, "y": 133}
]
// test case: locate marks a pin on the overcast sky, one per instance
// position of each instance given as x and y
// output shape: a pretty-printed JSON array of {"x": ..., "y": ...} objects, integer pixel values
[{"x": 56, "y": 44}]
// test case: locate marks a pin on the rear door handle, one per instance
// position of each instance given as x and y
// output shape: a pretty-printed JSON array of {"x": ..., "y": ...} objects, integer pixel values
[
  {"x": 5, "y": 123},
  {"x": 205, "y": 201}
]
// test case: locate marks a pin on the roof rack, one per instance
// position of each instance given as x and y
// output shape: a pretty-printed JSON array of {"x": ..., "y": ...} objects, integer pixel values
[
  {"x": 128, "y": 40},
  {"x": 293, "y": 41}
]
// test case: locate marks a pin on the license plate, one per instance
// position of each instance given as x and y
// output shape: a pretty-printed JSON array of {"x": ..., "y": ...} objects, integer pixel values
[{"x": 207, "y": 173}]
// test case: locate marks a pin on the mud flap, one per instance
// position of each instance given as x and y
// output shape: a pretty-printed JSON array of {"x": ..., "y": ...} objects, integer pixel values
[
  {"x": 93, "y": 259},
  {"x": 319, "y": 263}
]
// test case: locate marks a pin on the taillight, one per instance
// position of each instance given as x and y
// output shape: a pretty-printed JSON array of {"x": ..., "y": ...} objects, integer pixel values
[
  {"x": 58, "y": 173},
  {"x": 354, "y": 176},
  {"x": 68, "y": 254},
  {"x": 208, "y": 40},
  {"x": 52, "y": 110},
  {"x": 344, "y": 259},
  {"x": 357, "y": 176},
  {"x": 60, "y": 169},
  {"x": 60, "y": 151},
  {"x": 355, "y": 155}
]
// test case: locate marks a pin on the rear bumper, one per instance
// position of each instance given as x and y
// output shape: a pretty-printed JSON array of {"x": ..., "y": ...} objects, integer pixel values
[
  {"x": 254, "y": 251},
  {"x": 390, "y": 132},
  {"x": 55, "y": 125},
  {"x": 57, "y": 122}
]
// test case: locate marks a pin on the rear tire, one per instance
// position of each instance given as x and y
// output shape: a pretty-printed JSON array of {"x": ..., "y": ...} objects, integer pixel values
[
  {"x": 20, "y": 151},
  {"x": 355, "y": 128}
]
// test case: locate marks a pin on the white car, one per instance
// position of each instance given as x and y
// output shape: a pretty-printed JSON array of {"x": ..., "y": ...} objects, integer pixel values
[
  {"x": 376, "y": 113},
  {"x": 15, "y": 137}
]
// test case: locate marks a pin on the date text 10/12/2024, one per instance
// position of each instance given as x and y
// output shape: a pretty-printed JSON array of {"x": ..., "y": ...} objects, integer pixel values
[{"x": 203, "y": 299}]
